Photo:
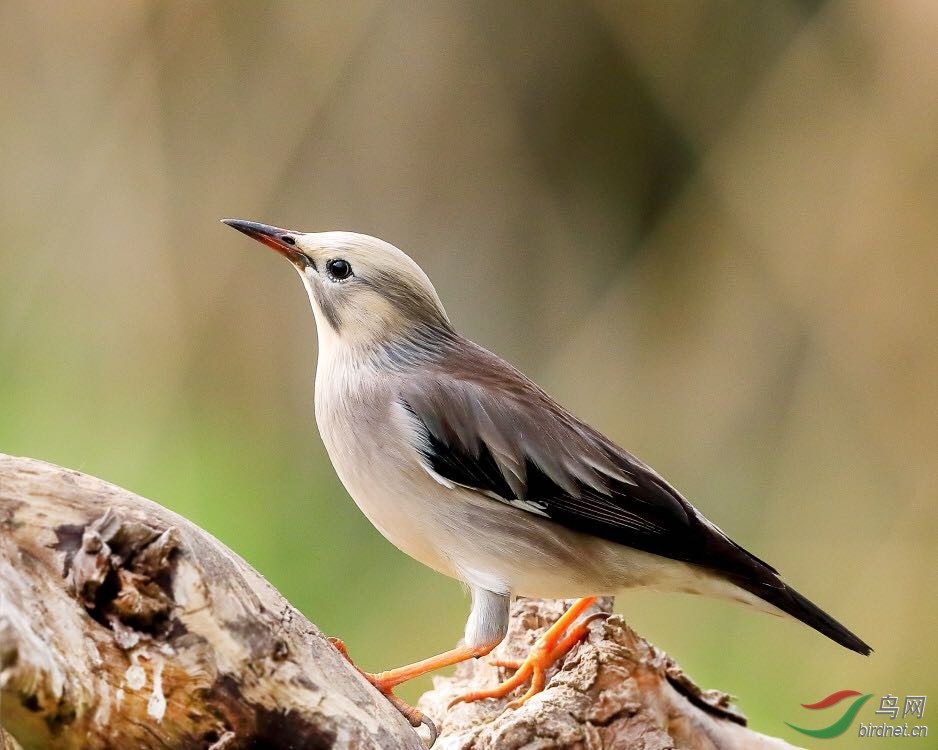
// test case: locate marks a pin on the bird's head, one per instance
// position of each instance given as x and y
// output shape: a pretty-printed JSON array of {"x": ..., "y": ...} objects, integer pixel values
[{"x": 365, "y": 292}]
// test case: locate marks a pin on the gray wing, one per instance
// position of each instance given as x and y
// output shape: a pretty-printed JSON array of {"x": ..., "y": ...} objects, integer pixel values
[{"x": 483, "y": 425}]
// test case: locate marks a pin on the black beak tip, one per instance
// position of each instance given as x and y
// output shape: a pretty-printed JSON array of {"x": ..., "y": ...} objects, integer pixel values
[
  {"x": 253, "y": 229},
  {"x": 240, "y": 224}
]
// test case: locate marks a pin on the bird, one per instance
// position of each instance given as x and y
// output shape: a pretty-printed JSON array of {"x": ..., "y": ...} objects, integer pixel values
[{"x": 466, "y": 465}]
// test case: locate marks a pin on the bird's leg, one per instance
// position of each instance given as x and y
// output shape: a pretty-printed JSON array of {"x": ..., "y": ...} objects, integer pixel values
[
  {"x": 385, "y": 682},
  {"x": 562, "y": 636},
  {"x": 485, "y": 629}
]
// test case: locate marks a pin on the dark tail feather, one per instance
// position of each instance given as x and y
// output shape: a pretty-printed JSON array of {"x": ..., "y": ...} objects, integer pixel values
[{"x": 790, "y": 601}]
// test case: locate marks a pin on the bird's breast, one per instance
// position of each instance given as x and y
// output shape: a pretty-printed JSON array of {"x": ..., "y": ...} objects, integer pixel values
[{"x": 368, "y": 437}]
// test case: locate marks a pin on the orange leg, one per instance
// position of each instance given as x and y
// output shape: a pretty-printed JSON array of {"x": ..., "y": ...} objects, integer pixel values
[
  {"x": 385, "y": 682},
  {"x": 562, "y": 636}
]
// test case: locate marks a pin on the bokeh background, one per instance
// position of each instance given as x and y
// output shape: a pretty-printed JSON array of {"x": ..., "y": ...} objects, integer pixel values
[{"x": 707, "y": 227}]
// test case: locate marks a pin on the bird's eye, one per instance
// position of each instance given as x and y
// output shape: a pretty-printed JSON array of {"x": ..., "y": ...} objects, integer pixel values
[
  {"x": 286, "y": 239},
  {"x": 339, "y": 269}
]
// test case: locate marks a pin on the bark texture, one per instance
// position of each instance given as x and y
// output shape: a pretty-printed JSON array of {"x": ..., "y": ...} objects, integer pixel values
[
  {"x": 615, "y": 690},
  {"x": 122, "y": 625}
]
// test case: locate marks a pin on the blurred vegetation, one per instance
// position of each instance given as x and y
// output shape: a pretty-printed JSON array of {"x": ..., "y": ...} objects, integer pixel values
[{"x": 709, "y": 228}]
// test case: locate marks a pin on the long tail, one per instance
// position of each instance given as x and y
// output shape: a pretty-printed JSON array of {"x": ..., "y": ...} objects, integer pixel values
[
  {"x": 790, "y": 601},
  {"x": 755, "y": 576}
]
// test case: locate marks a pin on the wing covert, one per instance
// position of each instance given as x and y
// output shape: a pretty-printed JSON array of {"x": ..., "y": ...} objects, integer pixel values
[{"x": 482, "y": 425}]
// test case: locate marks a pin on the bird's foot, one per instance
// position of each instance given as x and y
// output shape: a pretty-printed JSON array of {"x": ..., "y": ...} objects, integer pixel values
[
  {"x": 556, "y": 643},
  {"x": 386, "y": 686}
]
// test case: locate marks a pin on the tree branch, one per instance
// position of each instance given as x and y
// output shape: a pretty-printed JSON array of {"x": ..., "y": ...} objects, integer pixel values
[{"x": 124, "y": 625}]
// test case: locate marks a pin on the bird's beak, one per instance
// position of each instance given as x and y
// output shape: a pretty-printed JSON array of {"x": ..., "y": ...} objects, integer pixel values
[{"x": 281, "y": 240}]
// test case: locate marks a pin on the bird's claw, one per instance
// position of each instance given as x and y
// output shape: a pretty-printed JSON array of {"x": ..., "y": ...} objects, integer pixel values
[
  {"x": 415, "y": 716},
  {"x": 339, "y": 645},
  {"x": 513, "y": 664},
  {"x": 547, "y": 650},
  {"x": 428, "y": 723}
]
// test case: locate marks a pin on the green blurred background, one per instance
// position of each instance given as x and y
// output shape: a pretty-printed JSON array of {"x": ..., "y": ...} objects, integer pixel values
[{"x": 709, "y": 228}]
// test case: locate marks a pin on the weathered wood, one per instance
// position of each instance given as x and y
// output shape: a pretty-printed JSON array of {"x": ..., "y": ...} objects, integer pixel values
[
  {"x": 122, "y": 625},
  {"x": 615, "y": 690}
]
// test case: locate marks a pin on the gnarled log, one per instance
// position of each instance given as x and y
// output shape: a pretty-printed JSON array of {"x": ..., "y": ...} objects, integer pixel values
[{"x": 122, "y": 625}]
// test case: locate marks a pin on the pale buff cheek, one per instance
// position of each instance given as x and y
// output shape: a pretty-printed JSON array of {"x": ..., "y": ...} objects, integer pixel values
[
  {"x": 367, "y": 320},
  {"x": 349, "y": 315}
]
